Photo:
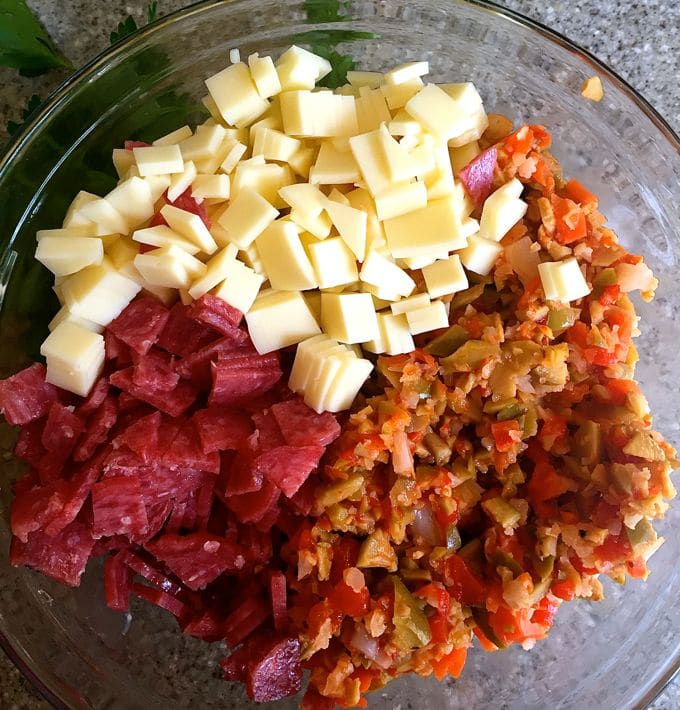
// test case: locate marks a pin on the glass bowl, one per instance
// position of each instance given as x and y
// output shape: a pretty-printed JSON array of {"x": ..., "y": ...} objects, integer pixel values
[{"x": 614, "y": 654}]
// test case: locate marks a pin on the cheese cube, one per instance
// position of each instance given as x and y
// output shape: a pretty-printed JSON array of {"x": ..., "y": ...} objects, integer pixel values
[
  {"x": 400, "y": 165},
  {"x": 333, "y": 167},
  {"x": 320, "y": 114},
  {"x": 190, "y": 226},
  {"x": 305, "y": 198},
  {"x": 445, "y": 276},
  {"x": 386, "y": 276},
  {"x": 403, "y": 125},
  {"x": 462, "y": 155},
  {"x": 251, "y": 258},
  {"x": 368, "y": 152},
  {"x": 547, "y": 273},
  {"x": 236, "y": 96},
  {"x": 235, "y": 152},
  {"x": 322, "y": 371},
  {"x": 563, "y": 280},
  {"x": 181, "y": 182},
  {"x": 170, "y": 267},
  {"x": 174, "y": 137},
  {"x": 334, "y": 263},
  {"x": 132, "y": 199},
  {"x": 349, "y": 317},
  {"x": 394, "y": 336},
  {"x": 158, "y": 184},
  {"x": 470, "y": 103},
  {"x": 280, "y": 319},
  {"x": 350, "y": 223},
  {"x": 73, "y": 217},
  {"x": 217, "y": 269},
  {"x": 264, "y": 75},
  {"x": 346, "y": 383},
  {"x": 480, "y": 254},
  {"x": 66, "y": 255},
  {"x": 284, "y": 259},
  {"x": 375, "y": 234},
  {"x": 502, "y": 209},
  {"x": 122, "y": 251},
  {"x": 211, "y": 107},
  {"x": 98, "y": 293},
  {"x": 372, "y": 110},
  {"x": 105, "y": 217},
  {"x": 407, "y": 72},
  {"x": 266, "y": 180},
  {"x": 75, "y": 357},
  {"x": 313, "y": 299},
  {"x": 63, "y": 314},
  {"x": 417, "y": 302},
  {"x": 432, "y": 229},
  {"x": 336, "y": 196},
  {"x": 246, "y": 217},
  {"x": 162, "y": 236},
  {"x": 401, "y": 198},
  {"x": 240, "y": 288},
  {"x": 123, "y": 160},
  {"x": 274, "y": 145},
  {"x": 158, "y": 160},
  {"x": 204, "y": 143},
  {"x": 469, "y": 226},
  {"x": 398, "y": 95},
  {"x": 211, "y": 187},
  {"x": 419, "y": 262},
  {"x": 301, "y": 162},
  {"x": 305, "y": 356},
  {"x": 438, "y": 112},
  {"x": 299, "y": 69},
  {"x": 372, "y": 79},
  {"x": 431, "y": 317}
]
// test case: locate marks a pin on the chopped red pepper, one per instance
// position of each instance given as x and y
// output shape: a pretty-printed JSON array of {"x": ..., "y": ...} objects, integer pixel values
[
  {"x": 506, "y": 434},
  {"x": 570, "y": 220}
]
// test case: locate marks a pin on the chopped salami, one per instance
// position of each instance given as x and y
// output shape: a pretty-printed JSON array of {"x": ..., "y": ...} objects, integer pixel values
[
  {"x": 94, "y": 399},
  {"x": 140, "y": 323},
  {"x": 183, "y": 335},
  {"x": 98, "y": 428},
  {"x": 62, "y": 428},
  {"x": 117, "y": 583},
  {"x": 277, "y": 592},
  {"x": 302, "y": 426},
  {"x": 199, "y": 558},
  {"x": 26, "y": 396},
  {"x": 243, "y": 475},
  {"x": 116, "y": 350},
  {"x": 231, "y": 386},
  {"x": 29, "y": 446},
  {"x": 186, "y": 451},
  {"x": 62, "y": 557},
  {"x": 269, "y": 434},
  {"x": 161, "y": 599},
  {"x": 173, "y": 402},
  {"x": 186, "y": 201},
  {"x": 150, "y": 571},
  {"x": 247, "y": 617},
  {"x": 118, "y": 508},
  {"x": 220, "y": 429},
  {"x": 196, "y": 367},
  {"x": 251, "y": 507},
  {"x": 288, "y": 467},
  {"x": 155, "y": 371},
  {"x": 141, "y": 436},
  {"x": 218, "y": 314},
  {"x": 477, "y": 175}
]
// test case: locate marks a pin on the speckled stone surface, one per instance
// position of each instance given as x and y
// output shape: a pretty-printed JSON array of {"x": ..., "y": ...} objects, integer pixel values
[{"x": 634, "y": 38}]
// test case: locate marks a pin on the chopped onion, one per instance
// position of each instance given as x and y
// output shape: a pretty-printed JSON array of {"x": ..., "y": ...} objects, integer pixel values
[
  {"x": 425, "y": 526},
  {"x": 369, "y": 647},
  {"x": 402, "y": 458},
  {"x": 522, "y": 259}
]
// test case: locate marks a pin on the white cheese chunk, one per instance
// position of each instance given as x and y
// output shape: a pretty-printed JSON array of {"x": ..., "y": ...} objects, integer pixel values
[
  {"x": 334, "y": 263},
  {"x": 275, "y": 145},
  {"x": 462, "y": 155},
  {"x": 64, "y": 314},
  {"x": 234, "y": 154},
  {"x": 204, "y": 143},
  {"x": 420, "y": 300},
  {"x": 322, "y": 371},
  {"x": 370, "y": 157},
  {"x": 158, "y": 184},
  {"x": 133, "y": 200},
  {"x": 236, "y": 95},
  {"x": 181, "y": 182},
  {"x": 351, "y": 223},
  {"x": 438, "y": 112},
  {"x": 349, "y": 317},
  {"x": 346, "y": 383},
  {"x": 469, "y": 101},
  {"x": 158, "y": 160},
  {"x": 432, "y": 317},
  {"x": 304, "y": 358},
  {"x": 319, "y": 115},
  {"x": 162, "y": 236},
  {"x": 66, "y": 255},
  {"x": 122, "y": 160},
  {"x": 563, "y": 280},
  {"x": 445, "y": 276},
  {"x": 264, "y": 75},
  {"x": 372, "y": 110},
  {"x": 174, "y": 137},
  {"x": 432, "y": 229},
  {"x": 106, "y": 218},
  {"x": 170, "y": 267},
  {"x": 73, "y": 217},
  {"x": 98, "y": 293},
  {"x": 280, "y": 319},
  {"x": 381, "y": 272},
  {"x": 217, "y": 269},
  {"x": 266, "y": 180},
  {"x": 372, "y": 79},
  {"x": 211, "y": 187},
  {"x": 401, "y": 198},
  {"x": 375, "y": 234},
  {"x": 190, "y": 226},
  {"x": 302, "y": 161},
  {"x": 480, "y": 254},
  {"x": 240, "y": 287},
  {"x": 285, "y": 262},
  {"x": 406, "y": 72},
  {"x": 246, "y": 217},
  {"x": 502, "y": 209},
  {"x": 333, "y": 167},
  {"x": 394, "y": 336},
  {"x": 298, "y": 68},
  {"x": 398, "y": 95}
]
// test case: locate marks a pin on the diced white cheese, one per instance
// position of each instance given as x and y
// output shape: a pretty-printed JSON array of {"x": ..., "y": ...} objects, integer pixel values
[
  {"x": 385, "y": 275},
  {"x": 445, "y": 276},
  {"x": 211, "y": 187},
  {"x": 217, "y": 269},
  {"x": 190, "y": 226},
  {"x": 73, "y": 217},
  {"x": 304, "y": 357},
  {"x": 394, "y": 336},
  {"x": 181, "y": 182},
  {"x": 431, "y": 317},
  {"x": 305, "y": 198},
  {"x": 462, "y": 155},
  {"x": 285, "y": 262},
  {"x": 170, "y": 267},
  {"x": 162, "y": 236},
  {"x": 264, "y": 75},
  {"x": 121, "y": 252},
  {"x": 123, "y": 160},
  {"x": 66, "y": 255},
  {"x": 211, "y": 107},
  {"x": 372, "y": 79},
  {"x": 298, "y": 68},
  {"x": 75, "y": 357},
  {"x": 236, "y": 96},
  {"x": 64, "y": 314},
  {"x": 158, "y": 184},
  {"x": 336, "y": 196},
  {"x": 280, "y": 319},
  {"x": 469, "y": 101},
  {"x": 398, "y": 95},
  {"x": 438, "y": 112},
  {"x": 104, "y": 216},
  {"x": 231, "y": 159},
  {"x": 368, "y": 152},
  {"x": 502, "y": 209},
  {"x": 133, "y": 200},
  {"x": 275, "y": 145},
  {"x": 158, "y": 160},
  {"x": 322, "y": 372},
  {"x": 563, "y": 280},
  {"x": 346, "y": 383},
  {"x": 240, "y": 287},
  {"x": 420, "y": 300},
  {"x": 437, "y": 226},
  {"x": 333, "y": 167},
  {"x": 400, "y": 199},
  {"x": 334, "y": 263},
  {"x": 480, "y": 254},
  {"x": 319, "y": 114},
  {"x": 403, "y": 125},
  {"x": 375, "y": 234},
  {"x": 98, "y": 293},
  {"x": 174, "y": 137},
  {"x": 266, "y": 180},
  {"x": 349, "y": 317},
  {"x": 350, "y": 223},
  {"x": 302, "y": 161},
  {"x": 372, "y": 110},
  {"x": 204, "y": 143},
  {"x": 407, "y": 72},
  {"x": 246, "y": 217}
]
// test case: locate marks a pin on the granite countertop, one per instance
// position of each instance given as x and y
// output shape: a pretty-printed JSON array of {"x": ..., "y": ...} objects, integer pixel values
[{"x": 635, "y": 38}]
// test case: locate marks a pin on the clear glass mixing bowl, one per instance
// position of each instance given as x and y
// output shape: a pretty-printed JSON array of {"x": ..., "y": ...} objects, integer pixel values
[{"x": 614, "y": 654}]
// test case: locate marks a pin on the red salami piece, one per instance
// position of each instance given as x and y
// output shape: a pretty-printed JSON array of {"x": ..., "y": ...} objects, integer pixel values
[
  {"x": 243, "y": 475},
  {"x": 288, "y": 467},
  {"x": 207, "y": 626},
  {"x": 62, "y": 557},
  {"x": 183, "y": 335},
  {"x": 98, "y": 429},
  {"x": 161, "y": 599},
  {"x": 33, "y": 507},
  {"x": 215, "y": 312},
  {"x": 155, "y": 370},
  {"x": 269, "y": 435},
  {"x": 196, "y": 367},
  {"x": 157, "y": 515},
  {"x": 477, "y": 175},
  {"x": 141, "y": 436},
  {"x": 117, "y": 583},
  {"x": 150, "y": 571},
  {"x": 205, "y": 497},
  {"x": 186, "y": 201},
  {"x": 119, "y": 508},
  {"x": 186, "y": 452},
  {"x": 231, "y": 386},
  {"x": 129, "y": 145},
  {"x": 173, "y": 402},
  {"x": 278, "y": 596},
  {"x": 220, "y": 429},
  {"x": 62, "y": 428},
  {"x": 140, "y": 323},
  {"x": 302, "y": 426},
  {"x": 26, "y": 396},
  {"x": 116, "y": 350},
  {"x": 29, "y": 446},
  {"x": 198, "y": 558},
  {"x": 247, "y": 617},
  {"x": 94, "y": 399},
  {"x": 251, "y": 507}
]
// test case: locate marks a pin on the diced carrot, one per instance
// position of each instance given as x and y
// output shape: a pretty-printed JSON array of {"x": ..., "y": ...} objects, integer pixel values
[{"x": 577, "y": 192}]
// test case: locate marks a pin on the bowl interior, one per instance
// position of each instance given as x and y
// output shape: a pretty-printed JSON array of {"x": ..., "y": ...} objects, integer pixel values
[{"x": 609, "y": 655}]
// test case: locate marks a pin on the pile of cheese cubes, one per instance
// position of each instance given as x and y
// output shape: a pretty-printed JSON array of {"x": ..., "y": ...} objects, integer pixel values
[{"x": 336, "y": 218}]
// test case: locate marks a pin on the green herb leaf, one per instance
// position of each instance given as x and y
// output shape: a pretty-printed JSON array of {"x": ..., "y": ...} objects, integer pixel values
[
  {"x": 152, "y": 12},
  {"x": 24, "y": 44},
  {"x": 32, "y": 105},
  {"x": 124, "y": 29}
]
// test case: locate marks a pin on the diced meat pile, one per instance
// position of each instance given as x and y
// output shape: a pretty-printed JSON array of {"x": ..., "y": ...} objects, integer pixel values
[{"x": 186, "y": 466}]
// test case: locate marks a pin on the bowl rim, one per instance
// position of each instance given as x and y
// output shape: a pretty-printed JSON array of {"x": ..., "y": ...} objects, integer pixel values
[{"x": 20, "y": 140}]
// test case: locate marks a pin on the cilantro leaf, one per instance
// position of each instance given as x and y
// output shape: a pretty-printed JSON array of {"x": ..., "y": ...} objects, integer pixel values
[
  {"x": 32, "y": 105},
  {"x": 24, "y": 44},
  {"x": 128, "y": 25},
  {"x": 152, "y": 12}
]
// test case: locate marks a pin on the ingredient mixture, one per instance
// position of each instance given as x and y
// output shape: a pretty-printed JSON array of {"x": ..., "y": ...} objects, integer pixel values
[{"x": 344, "y": 378}]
